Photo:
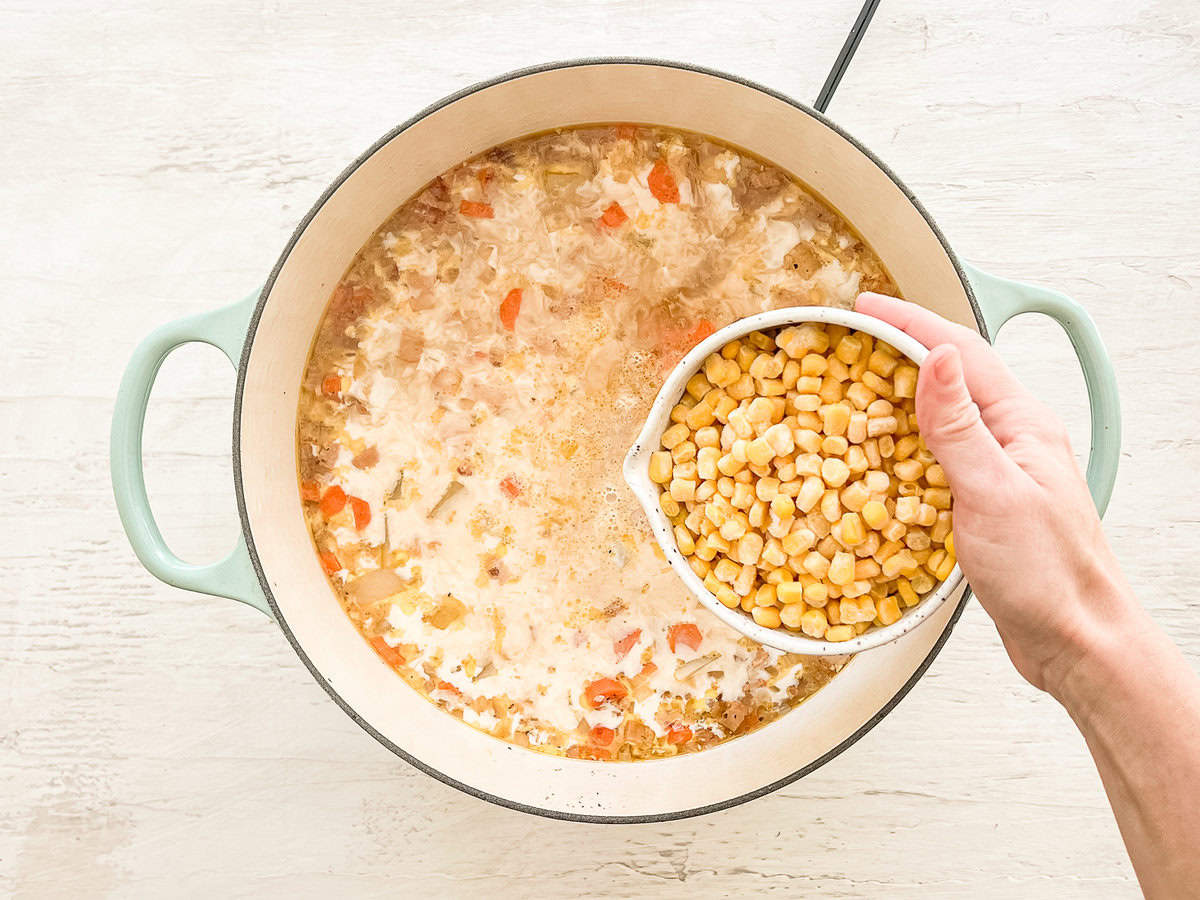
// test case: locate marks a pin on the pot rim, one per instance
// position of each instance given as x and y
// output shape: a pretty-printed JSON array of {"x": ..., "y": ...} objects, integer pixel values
[{"x": 243, "y": 515}]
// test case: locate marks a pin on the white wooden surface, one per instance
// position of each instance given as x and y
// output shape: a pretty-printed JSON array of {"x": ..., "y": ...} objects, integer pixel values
[{"x": 154, "y": 159}]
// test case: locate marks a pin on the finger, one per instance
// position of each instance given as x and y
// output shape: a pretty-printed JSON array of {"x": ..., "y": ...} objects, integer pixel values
[
  {"x": 988, "y": 379},
  {"x": 975, "y": 464}
]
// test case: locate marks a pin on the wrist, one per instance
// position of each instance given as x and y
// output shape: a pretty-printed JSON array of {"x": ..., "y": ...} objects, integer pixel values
[{"x": 1099, "y": 654}]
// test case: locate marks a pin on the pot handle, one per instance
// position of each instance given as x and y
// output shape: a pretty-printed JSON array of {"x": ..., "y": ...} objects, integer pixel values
[
  {"x": 233, "y": 576},
  {"x": 1001, "y": 299}
]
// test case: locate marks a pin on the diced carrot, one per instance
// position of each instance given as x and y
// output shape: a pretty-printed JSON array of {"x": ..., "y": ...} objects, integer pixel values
[
  {"x": 510, "y": 308},
  {"x": 485, "y": 176},
  {"x": 662, "y": 183},
  {"x": 625, "y": 644},
  {"x": 509, "y": 486},
  {"x": 333, "y": 501},
  {"x": 310, "y": 491},
  {"x": 473, "y": 210},
  {"x": 612, "y": 286},
  {"x": 602, "y": 690},
  {"x": 601, "y": 736},
  {"x": 329, "y": 562},
  {"x": 626, "y": 130},
  {"x": 362, "y": 512},
  {"x": 389, "y": 654},
  {"x": 614, "y": 215},
  {"x": 332, "y": 385},
  {"x": 647, "y": 670},
  {"x": 702, "y": 330},
  {"x": 449, "y": 688},
  {"x": 686, "y": 634},
  {"x": 679, "y": 734}
]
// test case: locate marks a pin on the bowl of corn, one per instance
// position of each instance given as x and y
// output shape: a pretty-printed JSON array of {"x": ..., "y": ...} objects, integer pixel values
[{"x": 783, "y": 473}]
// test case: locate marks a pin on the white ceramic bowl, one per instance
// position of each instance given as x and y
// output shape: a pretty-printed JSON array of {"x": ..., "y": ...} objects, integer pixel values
[{"x": 637, "y": 475}]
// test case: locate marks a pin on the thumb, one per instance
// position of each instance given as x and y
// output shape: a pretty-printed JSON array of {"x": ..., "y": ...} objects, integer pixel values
[{"x": 953, "y": 428}]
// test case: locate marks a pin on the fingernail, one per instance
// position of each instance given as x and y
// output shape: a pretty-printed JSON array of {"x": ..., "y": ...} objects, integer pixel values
[{"x": 946, "y": 366}]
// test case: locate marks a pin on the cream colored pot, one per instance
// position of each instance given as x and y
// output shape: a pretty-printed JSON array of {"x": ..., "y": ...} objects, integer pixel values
[{"x": 274, "y": 567}]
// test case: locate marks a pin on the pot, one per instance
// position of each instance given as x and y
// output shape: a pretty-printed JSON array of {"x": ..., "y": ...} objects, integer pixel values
[{"x": 267, "y": 337}]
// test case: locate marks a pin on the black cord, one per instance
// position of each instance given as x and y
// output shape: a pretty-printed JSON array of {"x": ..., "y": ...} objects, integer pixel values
[{"x": 847, "y": 53}]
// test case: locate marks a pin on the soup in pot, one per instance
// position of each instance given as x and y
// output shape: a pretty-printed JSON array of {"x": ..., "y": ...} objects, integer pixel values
[{"x": 480, "y": 371}]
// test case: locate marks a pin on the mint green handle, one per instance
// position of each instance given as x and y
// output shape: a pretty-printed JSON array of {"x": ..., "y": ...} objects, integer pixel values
[
  {"x": 234, "y": 576},
  {"x": 1001, "y": 299}
]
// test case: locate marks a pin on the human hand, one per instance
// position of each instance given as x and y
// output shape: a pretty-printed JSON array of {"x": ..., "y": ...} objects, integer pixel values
[{"x": 1025, "y": 530}]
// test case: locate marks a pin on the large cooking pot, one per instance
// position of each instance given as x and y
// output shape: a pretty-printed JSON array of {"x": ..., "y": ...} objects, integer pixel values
[{"x": 267, "y": 336}]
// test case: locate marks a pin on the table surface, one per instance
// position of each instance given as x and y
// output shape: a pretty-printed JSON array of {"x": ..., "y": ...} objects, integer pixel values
[{"x": 155, "y": 160}]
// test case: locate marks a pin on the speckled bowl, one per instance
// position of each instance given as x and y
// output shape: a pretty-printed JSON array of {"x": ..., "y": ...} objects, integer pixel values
[{"x": 637, "y": 475}]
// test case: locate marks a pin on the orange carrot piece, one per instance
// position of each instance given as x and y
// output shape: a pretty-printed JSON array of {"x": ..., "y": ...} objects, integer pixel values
[
  {"x": 362, "y": 512},
  {"x": 333, "y": 501},
  {"x": 602, "y": 690},
  {"x": 647, "y": 670},
  {"x": 510, "y": 308},
  {"x": 702, "y": 330},
  {"x": 509, "y": 486},
  {"x": 449, "y": 688},
  {"x": 662, "y": 183},
  {"x": 329, "y": 562},
  {"x": 679, "y": 734},
  {"x": 625, "y": 644},
  {"x": 473, "y": 210},
  {"x": 331, "y": 386},
  {"x": 686, "y": 634},
  {"x": 485, "y": 176},
  {"x": 389, "y": 654},
  {"x": 614, "y": 215},
  {"x": 601, "y": 736},
  {"x": 310, "y": 491}
]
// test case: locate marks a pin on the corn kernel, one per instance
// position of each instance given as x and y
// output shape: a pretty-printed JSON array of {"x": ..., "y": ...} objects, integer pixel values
[
  {"x": 766, "y": 616},
  {"x": 728, "y": 597},
  {"x": 921, "y": 583},
  {"x": 860, "y": 395},
  {"x": 853, "y": 532},
  {"x": 792, "y": 615},
  {"x": 816, "y": 594},
  {"x": 839, "y": 633},
  {"x": 937, "y": 497},
  {"x": 660, "y": 467},
  {"x": 814, "y": 624},
  {"x": 841, "y": 569},
  {"x": 888, "y": 610},
  {"x": 875, "y": 514},
  {"x": 834, "y": 472},
  {"x": 684, "y": 540},
  {"x": 848, "y": 349},
  {"x": 907, "y": 510},
  {"x": 904, "y": 380},
  {"x": 833, "y": 609},
  {"x": 835, "y": 419},
  {"x": 881, "y": 363},
  {"x": 810, "y": 494}
]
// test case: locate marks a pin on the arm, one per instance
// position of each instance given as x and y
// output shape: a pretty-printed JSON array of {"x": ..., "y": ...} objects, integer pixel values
[{"x": 1069, "y": 621}]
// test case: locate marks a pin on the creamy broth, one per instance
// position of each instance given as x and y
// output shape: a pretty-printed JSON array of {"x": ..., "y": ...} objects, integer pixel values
[{"x": 477, "y": 377}]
